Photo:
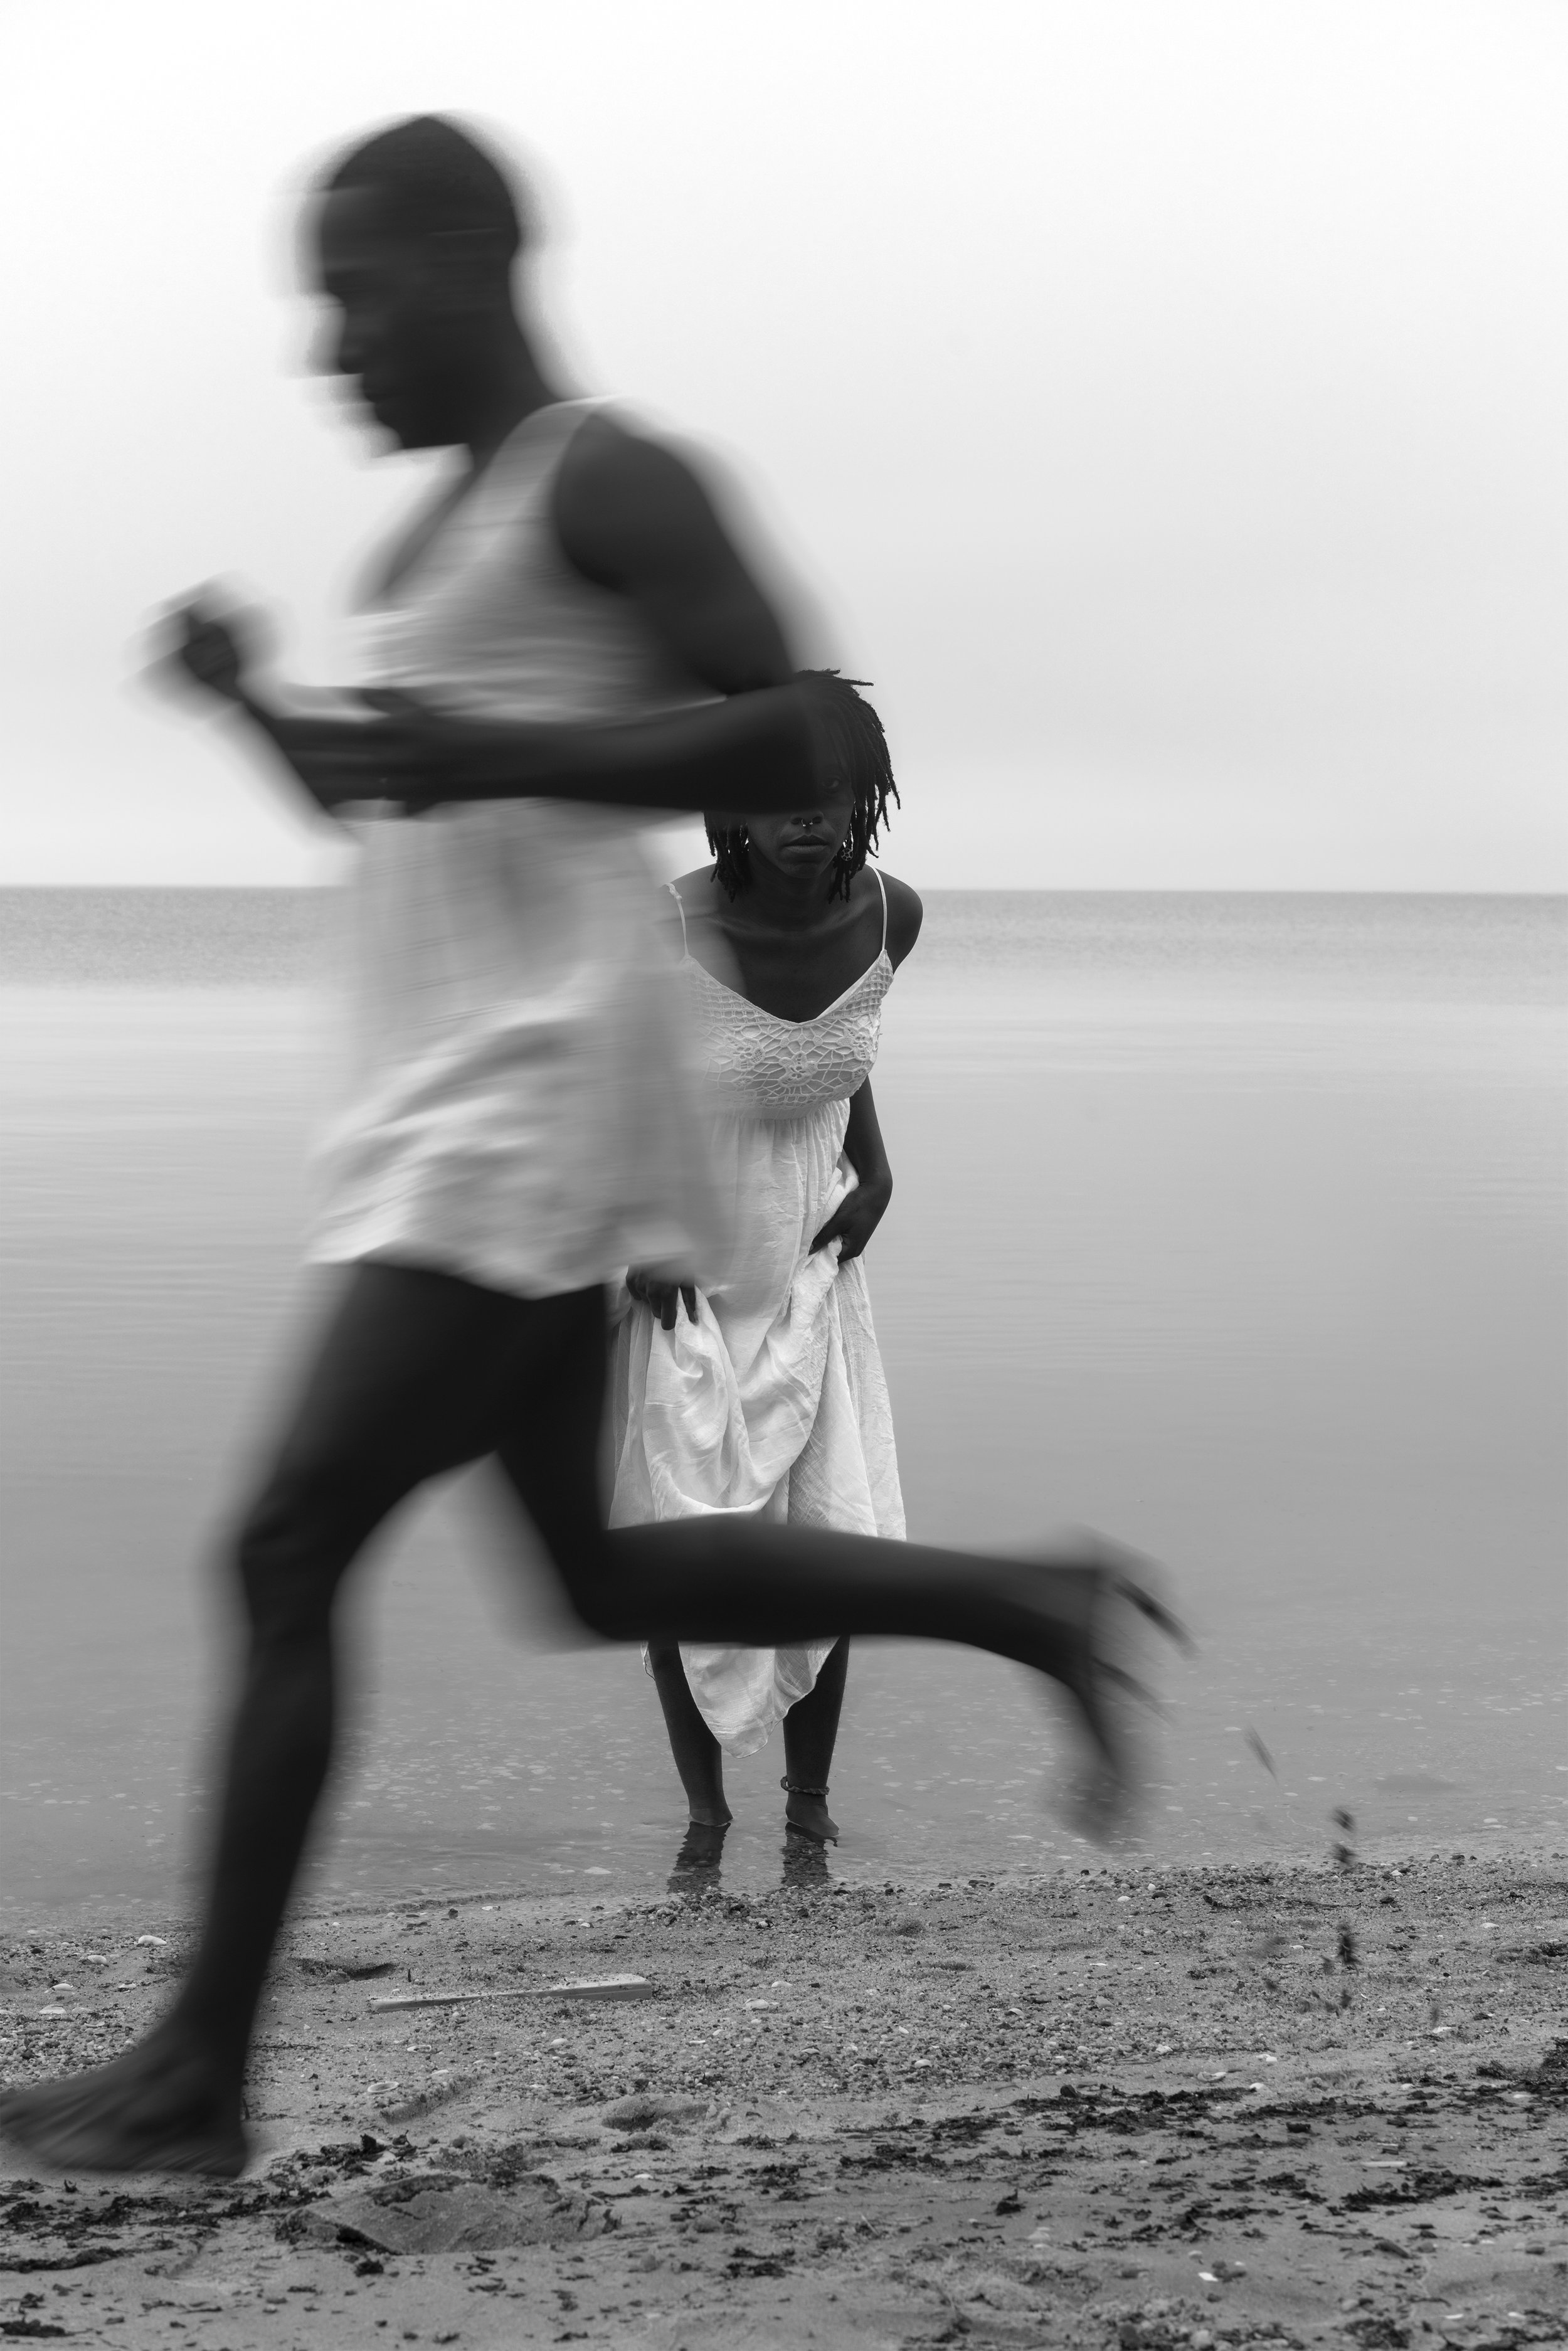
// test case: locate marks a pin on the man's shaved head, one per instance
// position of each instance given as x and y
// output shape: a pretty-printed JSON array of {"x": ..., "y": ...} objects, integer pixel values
[
  {"x": 415, "y": 230},
  {"x": 431, "y": 177}
]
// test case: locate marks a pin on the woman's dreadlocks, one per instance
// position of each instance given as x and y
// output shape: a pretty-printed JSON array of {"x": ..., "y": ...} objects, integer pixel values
[{"x": 852, "y": 744}]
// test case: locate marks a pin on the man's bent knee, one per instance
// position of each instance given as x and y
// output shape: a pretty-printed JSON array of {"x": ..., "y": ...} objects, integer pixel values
[
  {"x": 294, "y": 1544},
  {"x": 608, "y": 1605}
]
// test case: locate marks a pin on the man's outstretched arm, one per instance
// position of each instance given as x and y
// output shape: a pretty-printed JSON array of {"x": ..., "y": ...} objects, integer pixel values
[{"x": 633, "y": 518}]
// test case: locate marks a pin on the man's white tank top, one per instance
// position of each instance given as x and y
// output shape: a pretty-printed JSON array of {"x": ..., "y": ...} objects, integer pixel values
[{"x": 523, "y": 1112}]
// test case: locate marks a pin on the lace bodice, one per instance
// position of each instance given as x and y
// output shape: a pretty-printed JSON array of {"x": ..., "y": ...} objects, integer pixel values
[{"x": 760, "y": 1066}]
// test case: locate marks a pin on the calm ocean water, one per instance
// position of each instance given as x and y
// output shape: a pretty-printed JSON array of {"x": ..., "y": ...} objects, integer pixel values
[{"x": 1230, "y": 1223}]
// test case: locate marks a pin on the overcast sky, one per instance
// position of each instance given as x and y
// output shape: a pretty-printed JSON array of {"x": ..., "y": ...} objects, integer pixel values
[{"x": 1167, "y": 406}]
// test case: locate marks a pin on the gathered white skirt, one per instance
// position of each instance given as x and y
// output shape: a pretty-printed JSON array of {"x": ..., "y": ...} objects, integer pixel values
[{"x": 772, "y": 1404}]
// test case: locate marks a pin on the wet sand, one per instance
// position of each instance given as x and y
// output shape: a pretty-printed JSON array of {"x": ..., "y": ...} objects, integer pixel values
[{"x": 1113, "y": 2108}]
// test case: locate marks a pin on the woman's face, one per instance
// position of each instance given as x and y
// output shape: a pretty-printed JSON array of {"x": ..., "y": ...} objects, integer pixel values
[{"x": 806, "y": 841}]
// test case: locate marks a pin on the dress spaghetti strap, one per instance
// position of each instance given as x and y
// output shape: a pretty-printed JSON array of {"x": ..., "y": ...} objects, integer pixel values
[
  {"x": 883, "y": 887},
  {"x": 685, "y": 948}
]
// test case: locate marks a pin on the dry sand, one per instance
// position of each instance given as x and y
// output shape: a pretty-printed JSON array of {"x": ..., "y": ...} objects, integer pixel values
[{"x": 1115, "y": 2108}]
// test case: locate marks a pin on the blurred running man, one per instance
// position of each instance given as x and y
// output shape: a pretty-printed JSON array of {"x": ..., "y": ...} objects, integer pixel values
[{"x": 565, "y": 637}]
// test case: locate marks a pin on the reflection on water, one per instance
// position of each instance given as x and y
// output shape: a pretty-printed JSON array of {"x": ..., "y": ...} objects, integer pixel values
[{"x": 1233, "y": 1225}]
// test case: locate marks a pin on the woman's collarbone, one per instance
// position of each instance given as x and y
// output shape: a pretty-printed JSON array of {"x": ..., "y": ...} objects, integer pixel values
[{"x": 798, "y": 989}]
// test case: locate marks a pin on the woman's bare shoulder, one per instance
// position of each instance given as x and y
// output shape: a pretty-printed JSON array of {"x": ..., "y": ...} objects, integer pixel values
[
  {"x": 905, "y": 915},
  {"x": 705, "y": 935},
  {"x": 702, "y": 903}
]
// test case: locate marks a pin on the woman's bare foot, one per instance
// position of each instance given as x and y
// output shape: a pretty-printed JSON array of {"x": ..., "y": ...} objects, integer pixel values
[
  {"x": 806, "y": 1812},
  {"x": 702, "y": 1848},
  {"x": 163, "y": 2107}
]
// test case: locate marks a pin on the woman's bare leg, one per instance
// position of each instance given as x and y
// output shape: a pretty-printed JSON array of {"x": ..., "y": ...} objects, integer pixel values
[
  {"x": 810, "y": 1734},
  {"x": 699, "y": 1758}
]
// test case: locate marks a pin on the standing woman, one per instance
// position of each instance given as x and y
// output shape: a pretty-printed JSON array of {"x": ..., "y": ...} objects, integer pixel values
[{"x": 764, "y": 1392}]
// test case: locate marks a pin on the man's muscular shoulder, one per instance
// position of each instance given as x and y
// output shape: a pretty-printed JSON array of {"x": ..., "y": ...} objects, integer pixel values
[
  {"x": 621, "y": 500},
  {"x": 633, "y": 515}
]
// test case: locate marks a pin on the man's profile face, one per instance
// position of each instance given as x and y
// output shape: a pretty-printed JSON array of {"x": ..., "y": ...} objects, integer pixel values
[{"x": 394, "y": 335}]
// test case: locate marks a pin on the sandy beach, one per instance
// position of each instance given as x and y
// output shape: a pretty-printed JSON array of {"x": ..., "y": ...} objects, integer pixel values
[{"x": 1116, "y": 2106}]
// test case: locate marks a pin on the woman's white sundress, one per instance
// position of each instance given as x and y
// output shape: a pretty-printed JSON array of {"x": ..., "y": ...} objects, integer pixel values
[{"x": 774, "y": 1402}]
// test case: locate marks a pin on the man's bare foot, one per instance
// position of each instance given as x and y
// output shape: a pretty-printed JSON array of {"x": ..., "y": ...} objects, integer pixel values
[
  {"x": 1123, "y": 1611},
  {"x": 806, "y": 1812},
  {"x": 163, "y": 2107}
]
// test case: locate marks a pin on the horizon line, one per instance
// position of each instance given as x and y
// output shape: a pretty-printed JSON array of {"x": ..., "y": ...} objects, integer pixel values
[{"x": 930, "y": 890}]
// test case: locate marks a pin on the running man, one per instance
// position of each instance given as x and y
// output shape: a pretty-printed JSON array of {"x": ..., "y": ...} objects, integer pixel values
[{"x": 566, "y": 637}]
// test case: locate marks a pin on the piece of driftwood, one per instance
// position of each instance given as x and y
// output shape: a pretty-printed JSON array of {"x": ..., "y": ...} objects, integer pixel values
[{"x": 587, "y": 1988}]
